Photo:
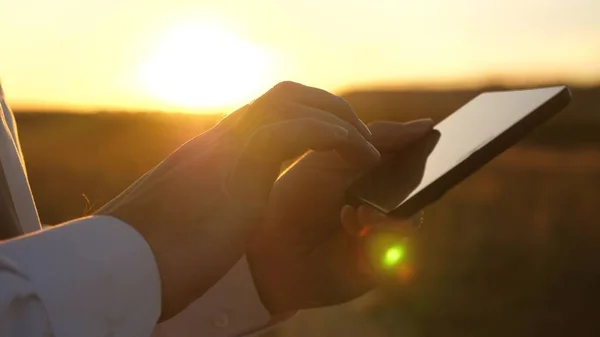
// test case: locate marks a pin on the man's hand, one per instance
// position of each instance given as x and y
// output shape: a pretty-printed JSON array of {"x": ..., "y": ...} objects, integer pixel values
[
  {"x": 197, "y": 208},
  {"x": 304, "y": 254}
]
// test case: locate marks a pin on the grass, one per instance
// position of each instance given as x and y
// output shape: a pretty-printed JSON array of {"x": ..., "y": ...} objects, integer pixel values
[{"x": 514, "y": 250}]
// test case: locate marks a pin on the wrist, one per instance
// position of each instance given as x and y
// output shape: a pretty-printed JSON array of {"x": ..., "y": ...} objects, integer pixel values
[{"x": 271, "y": 289}]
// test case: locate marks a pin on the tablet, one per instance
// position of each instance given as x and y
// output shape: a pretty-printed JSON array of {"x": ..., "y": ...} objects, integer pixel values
[{"x": 458, "y": 146}]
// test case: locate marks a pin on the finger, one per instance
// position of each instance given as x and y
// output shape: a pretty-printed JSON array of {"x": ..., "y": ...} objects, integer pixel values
[
  {"x": 317, "y": 98},
  {"x": 357, "y": 150},
  {"x": 368, "y": 216},
  {"x": 290, "y": 138},
  {"x": 393, "y": 136},
  {"x": 359, "y": 221},
  {"x": 349, "y": 220},
  {"x": 260, "y": 161}
]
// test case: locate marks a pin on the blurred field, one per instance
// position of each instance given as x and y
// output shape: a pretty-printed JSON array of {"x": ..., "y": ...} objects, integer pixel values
[{"x": 513, "y": 251}]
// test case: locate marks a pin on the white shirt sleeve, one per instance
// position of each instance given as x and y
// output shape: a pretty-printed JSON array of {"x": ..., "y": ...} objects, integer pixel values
[
  {"x": 97, "y": 276},
  {"x": 92, "y": 277},
  {"x": 13, "y": 165}
]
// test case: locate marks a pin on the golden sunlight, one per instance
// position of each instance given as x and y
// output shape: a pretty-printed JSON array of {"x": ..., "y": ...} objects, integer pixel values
[{"x": 201, "y": 65}]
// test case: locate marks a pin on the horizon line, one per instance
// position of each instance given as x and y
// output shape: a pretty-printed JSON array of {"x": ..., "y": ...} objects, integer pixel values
[{"x": 404, "y": 87}]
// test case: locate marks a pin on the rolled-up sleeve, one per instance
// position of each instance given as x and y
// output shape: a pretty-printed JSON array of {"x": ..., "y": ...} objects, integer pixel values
[{"x": 95, "y": 276}]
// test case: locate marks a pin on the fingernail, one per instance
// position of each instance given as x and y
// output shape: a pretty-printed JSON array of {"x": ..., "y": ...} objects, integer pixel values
[
  {"x": 364, "y": 129},
  {"x": 375, "y": 215},
  {"x": 420, "y": 125},
  {"x": 373, "y": 150},
  {"x": 341, "y": 133},
  {"x": 348, "y": 219},
  {"x": 369, "y": 216}
]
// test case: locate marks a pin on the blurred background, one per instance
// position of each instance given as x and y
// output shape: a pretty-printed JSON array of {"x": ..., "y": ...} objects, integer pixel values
[{"x": 103, "y": 90}]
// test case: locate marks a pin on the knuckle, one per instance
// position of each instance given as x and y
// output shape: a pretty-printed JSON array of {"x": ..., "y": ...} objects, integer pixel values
[
  {"x": 284, "y": 87},
  {"x": 283, "y": 109},
  {"x": 275, "y": 111},
  {"x": 278, "y": 92},
  {"x": 266, "y": 112},
  {"x": 262, "y": 135}
]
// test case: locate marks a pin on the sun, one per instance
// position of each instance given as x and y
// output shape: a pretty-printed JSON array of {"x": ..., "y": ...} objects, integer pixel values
[{"x": 201, "y": 65}]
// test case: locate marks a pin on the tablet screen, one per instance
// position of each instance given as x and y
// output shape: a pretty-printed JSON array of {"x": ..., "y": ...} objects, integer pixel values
[{"x": 461, "y": 134}]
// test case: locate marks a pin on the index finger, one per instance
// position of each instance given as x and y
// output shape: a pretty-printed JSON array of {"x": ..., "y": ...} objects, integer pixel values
[{"x": 317, "y": 98}]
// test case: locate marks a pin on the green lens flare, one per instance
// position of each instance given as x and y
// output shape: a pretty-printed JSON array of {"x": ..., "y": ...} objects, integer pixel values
[{"x": 393, "y": 256}]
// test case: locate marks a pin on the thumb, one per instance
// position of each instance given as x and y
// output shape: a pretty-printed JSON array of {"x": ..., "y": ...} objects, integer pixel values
[{"x": 393, "y": 136}]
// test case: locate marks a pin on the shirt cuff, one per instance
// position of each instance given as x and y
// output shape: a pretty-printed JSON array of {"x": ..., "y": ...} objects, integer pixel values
[
  {"x": 96, "y": 276},
  {"x": 232, "y": 307}
]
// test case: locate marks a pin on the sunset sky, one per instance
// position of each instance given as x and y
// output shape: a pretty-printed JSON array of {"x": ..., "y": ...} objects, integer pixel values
[{"x": 193, "y": 55}]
